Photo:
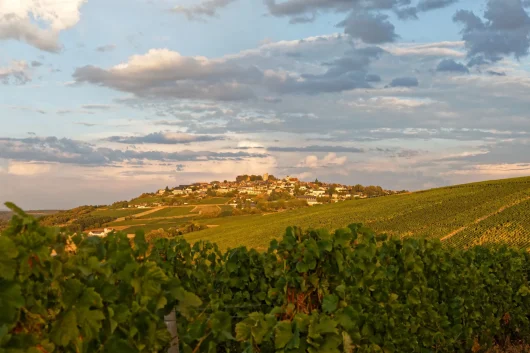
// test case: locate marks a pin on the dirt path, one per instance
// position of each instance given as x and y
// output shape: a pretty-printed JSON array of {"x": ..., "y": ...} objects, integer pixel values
[
  {"x": 171, "y": 217},
  {"x": 152, "y": 210},
  {"x": 477, "y": 221}
]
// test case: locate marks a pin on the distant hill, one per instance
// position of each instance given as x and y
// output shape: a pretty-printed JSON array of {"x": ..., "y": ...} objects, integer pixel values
[
  {"x": 6, "y": 215},
  {"x": 462, "y": 215}
]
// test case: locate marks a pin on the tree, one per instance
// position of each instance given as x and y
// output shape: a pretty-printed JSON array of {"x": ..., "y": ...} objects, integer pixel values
[
  {"x": 241, "y": 178},
  {"x": 331, "y": 191}
]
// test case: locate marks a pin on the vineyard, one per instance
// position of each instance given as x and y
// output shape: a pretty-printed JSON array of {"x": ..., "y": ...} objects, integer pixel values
[
  {"x": 311, "y": 291},
  {"x": 433, "y": 214}
]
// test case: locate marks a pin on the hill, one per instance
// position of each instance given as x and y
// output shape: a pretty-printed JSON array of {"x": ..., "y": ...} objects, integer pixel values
[
  {"x": 461, "y": 215},
  {"x": 6, "y": 215}
]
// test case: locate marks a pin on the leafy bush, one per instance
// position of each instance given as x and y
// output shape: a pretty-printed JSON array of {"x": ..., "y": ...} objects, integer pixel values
[{"x": 104, "y": 296}]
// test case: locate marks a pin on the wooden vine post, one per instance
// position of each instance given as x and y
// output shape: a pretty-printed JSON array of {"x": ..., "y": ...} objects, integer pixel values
[{"x": 171, "y": 323}]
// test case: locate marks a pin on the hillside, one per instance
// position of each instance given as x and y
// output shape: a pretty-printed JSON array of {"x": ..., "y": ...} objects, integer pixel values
[
  {"x": 462, "y": 215},
  {"x": 6, "y": 215}
]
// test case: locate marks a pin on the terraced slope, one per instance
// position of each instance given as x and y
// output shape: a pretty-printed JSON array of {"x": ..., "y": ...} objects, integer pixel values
[{"x": 492, "y": 211}]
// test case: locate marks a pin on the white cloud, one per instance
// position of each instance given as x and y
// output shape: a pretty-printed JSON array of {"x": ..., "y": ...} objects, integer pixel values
[
  {"x": 249, "y": 144},
  {"x": 441, "y": 49},
  {"x": 503, "y": 170},
  {"x": 389, "y": 102},
  {"x": 331, "y": 159},
  {"x": 167, "y": 73},
  {"x": 21, "y": 168},
  {"x": 16, "y": 71},
  {"x": 38, "y": 22}
]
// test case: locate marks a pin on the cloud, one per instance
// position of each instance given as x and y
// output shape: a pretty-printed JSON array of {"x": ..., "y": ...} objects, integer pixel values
[
  {"x": 411, "y": 12},
  {"x": 428, "y": 5},
  {"x": 17, "y": 168},
  {"x": 365, "y": 20},
  {"x": 164, "y": 73},
  {"x": 329, "y": 160},
  {"x": 508, "y": 152},
  {"x": 304, "y": 10},
  {"x": 85, "y": 124},
  {"x": 272, "y": 99},
  {"x": 449, "y": 65},
  {"x": 17, "y": 73},
  {"x": 67, "y": 151},
  {"x": 316, "y": 149},
  {"x": 440, "y": 49},
  {"x": 505, "y": 32},
  {"x": 370, "y": 28},
  {"x": 205, "y": 9},
  {"x": 166, "y": 138},
  {"x": 404, "y": 82},
  {"x": 106, "y": 48},
  {"x": 97, "y": 106},
  {"x": 344, "y": 73},
  {"x": 496, "y": 73},
  {"x": 36, "y": 63},
  {"x": 38, "y": 23}
]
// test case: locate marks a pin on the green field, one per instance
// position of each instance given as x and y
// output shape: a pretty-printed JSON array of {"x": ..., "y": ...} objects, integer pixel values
[
  {"x": 140, "y": 221},
  {"x": 511, "y": 226},
  {"x": 147, "y": 200},
  {"x": 433, "y": 213},
  {"x": 170, "y": 212},
  {"x": 210, "y": 201},
  {"x": 118, "y": 213},
  {"x": 161, "y": 224}
]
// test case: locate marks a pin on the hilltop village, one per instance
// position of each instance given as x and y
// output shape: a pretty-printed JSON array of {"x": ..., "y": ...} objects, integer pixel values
[{"x": 249, "y": 190}]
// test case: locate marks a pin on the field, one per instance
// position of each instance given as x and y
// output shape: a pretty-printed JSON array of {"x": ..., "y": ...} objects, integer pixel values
[
  {"x": 492, "y": 211},
  {"x": 157, "y": 224},
  {"x": 117, "y": 213},
  {"x": 169, "y": 212},
  {"x": 211, "y": 201},
  {"x": 510, "y": 226}
]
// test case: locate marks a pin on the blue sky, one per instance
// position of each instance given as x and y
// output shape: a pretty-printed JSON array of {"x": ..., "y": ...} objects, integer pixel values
[{"x": 104, "y": 100}]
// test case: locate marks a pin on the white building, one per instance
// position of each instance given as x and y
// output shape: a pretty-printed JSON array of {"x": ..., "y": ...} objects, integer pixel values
[
  {"x": 100, "y": 233},
  {"x": 311, "y": 200},
  {"x": 318, "y": 193},
  {"x": 178, "y": 192}
]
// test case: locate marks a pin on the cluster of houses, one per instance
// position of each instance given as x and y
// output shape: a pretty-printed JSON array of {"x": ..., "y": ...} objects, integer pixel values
[{"x": 265, "y": 184}]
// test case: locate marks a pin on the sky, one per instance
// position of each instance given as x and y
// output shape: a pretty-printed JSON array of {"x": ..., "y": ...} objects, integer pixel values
[{"x": 102, "y": 100}]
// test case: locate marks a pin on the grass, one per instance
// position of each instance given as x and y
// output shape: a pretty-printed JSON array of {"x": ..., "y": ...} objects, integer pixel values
[
  {"x": 139, "y": 221},
  {"x": 211, "y": 201},
  {"x": 169, "y": 212},
  {"x": 117, "y": 213},
  {"x": 158, "y": 224},
  {"x": 149, "y": 199},
  {"x": 433, "y": 214}
]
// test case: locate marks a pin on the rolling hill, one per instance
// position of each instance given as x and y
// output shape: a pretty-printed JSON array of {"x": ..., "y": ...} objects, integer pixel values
[{"x": 461, "y": 215}]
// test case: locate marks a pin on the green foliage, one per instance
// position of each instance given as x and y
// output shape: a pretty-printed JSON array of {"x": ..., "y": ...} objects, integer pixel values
[
  {"x": 87, "y": 222},
  {"x": 313, "y": 291},
  {"x": 103, "y": 297},
  {"x": 119, "y": 205},
  {"x": 65, "y": 217}
]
